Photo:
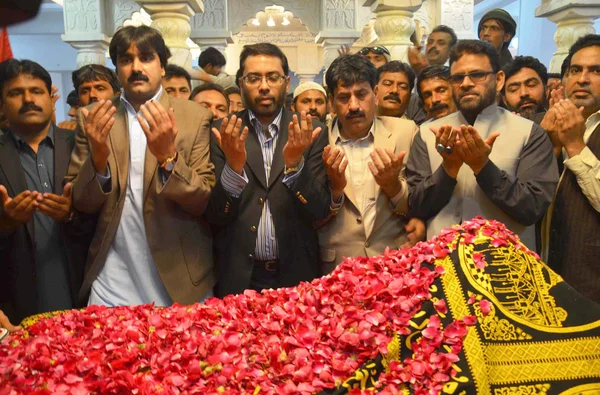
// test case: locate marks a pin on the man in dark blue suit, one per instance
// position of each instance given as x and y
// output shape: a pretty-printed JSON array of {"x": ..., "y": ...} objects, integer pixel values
[{"x": 271, "y": 183}]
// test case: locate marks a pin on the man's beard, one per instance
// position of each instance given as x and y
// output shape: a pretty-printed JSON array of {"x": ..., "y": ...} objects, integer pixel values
[
  {"x": 530, "y": 112},
  {"x": 260, "y": 110},
  {"x": 475, "y": 105}
]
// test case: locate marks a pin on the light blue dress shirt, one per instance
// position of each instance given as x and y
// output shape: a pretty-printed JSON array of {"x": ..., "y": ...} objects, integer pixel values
[
  {"x": 130, "y": 276},
  {"x": 234, "y": 184}
]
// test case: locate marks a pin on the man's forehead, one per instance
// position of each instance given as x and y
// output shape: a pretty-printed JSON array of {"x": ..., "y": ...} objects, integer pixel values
[
  {"x": 263, "y": 63},
  {"x": 212, "y": 96},
  {"x": 523, "y": 74},
  {"x": 394, "y": 76},
  {"x": 587, "y": 56},
  {"x": 472, "y": 62},
  {"x": 492, "y": 22},
  {"x": 311, "y": 93},
  {"x": 432, "y": 83},
  {"x": 28, "y": 79},
  {"x": 134, "y": 49},
  {"x": 349, "y": 87},
  {"x": 440, "y": 36}
]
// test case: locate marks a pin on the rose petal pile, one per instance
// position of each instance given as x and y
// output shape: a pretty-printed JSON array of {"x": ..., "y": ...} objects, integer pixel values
[{"x": 297, "y": 340}]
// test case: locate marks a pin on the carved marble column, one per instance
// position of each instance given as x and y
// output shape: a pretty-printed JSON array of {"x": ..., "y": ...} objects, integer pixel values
[
  {"x": 338, "y": 27},
  {"x": 172, "y": 19},
  {"x": 574, "y": 19},
  {"x": 458, "y": 14},
  {"x": 85, "y": 30},
  {"x": 210, "y": 28},
  {"x": 394, "y": 24}
]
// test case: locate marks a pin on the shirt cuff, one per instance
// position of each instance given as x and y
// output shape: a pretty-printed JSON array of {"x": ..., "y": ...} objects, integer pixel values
[
  {"x": 232, "y": 182},
  {"x": 104, "y": 180},
  {"x": 583, "y": 162},
  {"x": 336, "y": 206},
  {"x": 396, "y": 199},
  {"x": 290, "y": 179}
]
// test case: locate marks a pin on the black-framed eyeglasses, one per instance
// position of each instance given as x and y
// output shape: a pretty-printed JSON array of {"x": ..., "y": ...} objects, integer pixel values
[
  {"x": 476, "y": 76},
  {"x": 376, "y": 50},
  {"x": 254, "y": 80}
]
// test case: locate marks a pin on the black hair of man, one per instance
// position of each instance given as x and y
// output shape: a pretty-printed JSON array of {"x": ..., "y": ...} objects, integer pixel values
[
  {"x": 448, "y": 30},
  {"x": 209, "y": 86},
  {"x": 12, "y": 68},
  {"x": 349, "y": 70},
  {"x": 589, "y": 40},
  {"x": 172, "y": 70},
  {"x": 529, "y": 62},
  {"x": 147, "y": 40},
  {"x": 475, "y": 47},
  {"x": 233, "y": 90},
  {"x": 95, "y": 72},
  {"x": 554, "y": 75},
  {"x": 73, "y": 98},
  {"x": 289, "y": 99},
  {"x": 265, "y": 49},
  {"x": 397, "y": 66},
  {"x": 429, "y": 72},
  {"x": 211, "y": 56}
]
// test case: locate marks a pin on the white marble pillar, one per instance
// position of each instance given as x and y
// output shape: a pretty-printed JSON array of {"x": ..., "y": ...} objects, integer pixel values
[
  {"x": 394, "y": 24},
  {"x": 338, "y": 27},
  {"x": 574, "y": 19},
  {"x": 172, "y": 19},
  {"x": 85, "y": 30},
  {"x": 210, "y": 28}
]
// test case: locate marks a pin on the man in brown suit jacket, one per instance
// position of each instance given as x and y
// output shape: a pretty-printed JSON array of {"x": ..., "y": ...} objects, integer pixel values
[
  {"x": 364, "y": 163},
  {"x": 142, "y": 163}
]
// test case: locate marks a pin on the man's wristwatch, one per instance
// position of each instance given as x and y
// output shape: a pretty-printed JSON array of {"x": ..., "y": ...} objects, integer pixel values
[
  {"x": 169, "y": 164},
  {"x": 294, "y": 168}
]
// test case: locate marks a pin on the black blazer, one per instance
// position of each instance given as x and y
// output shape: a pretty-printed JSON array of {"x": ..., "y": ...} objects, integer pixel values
[
  {"x": 294, "y": 210},
  {"x": 17, "y": 265}
]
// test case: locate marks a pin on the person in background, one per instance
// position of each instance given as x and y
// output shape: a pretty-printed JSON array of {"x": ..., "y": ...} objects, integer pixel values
[
  {"x": 439, "y": 43},
  {"x": 211, "y": 62},
  {"x": 73, "y": 102},
  {"x": 498, "y": 28},
  {"x": 378, "y": 55},
  {"x": 364, "y": 163},
  {"x": 177, "y": 82},
  {"x": 554, "y": 83},
  {"x": 395, "y": 82},
  {"x": 141, "y": 164},
  {"x": 271, "y": 183},
  {"x": 311, "y": 98},
  {"x": 94, "y": 82},
  {"x": 524, "y": 90},
  {"x": 41, "y": 238},
  {"x": 235, "y": 100},
  {"x": 433, "y": 86},
  {"x": 482, "y": 159},
  {"x": 213, "y": 97},
  {"x": 575, "y": 213}
]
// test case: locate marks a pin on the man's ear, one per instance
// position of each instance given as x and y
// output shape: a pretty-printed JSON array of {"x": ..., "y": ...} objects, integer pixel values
[
  {"x": 507, "y": 37},
  {"x": 500, "y": 78}
]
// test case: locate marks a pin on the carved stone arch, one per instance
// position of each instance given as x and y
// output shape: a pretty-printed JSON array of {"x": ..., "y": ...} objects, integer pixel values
[
  {"x": 118, "y": 12},
  {"x": 309, "y": 11}
]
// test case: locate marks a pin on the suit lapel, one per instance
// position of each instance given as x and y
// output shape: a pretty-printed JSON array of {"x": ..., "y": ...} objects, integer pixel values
[
  {"x": 383, "y": 140},
  {"x": 254, "y": 156},
  {"x": 62, "y": 155},
  {"x": 10, "y": 163},
  {"x": 278, "y": 163},
  {"x": 119, "y": 140}
]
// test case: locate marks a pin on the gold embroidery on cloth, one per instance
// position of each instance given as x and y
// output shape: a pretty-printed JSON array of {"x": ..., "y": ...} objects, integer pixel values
[
  {"x": 458, "y": 306},
  {"x": 585, "y": 389},
  {"x": 363, "y": 378},
  {"x": 537, "y": 389},
  {"x": 494, "y": 328},
  {"x": 553, "y": 360}
]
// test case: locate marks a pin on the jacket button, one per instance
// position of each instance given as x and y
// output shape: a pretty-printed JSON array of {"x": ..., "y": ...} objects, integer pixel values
[
  {"x": 253, "y": 228},
  {"x": 367, "y": 244},
  {"x": 261, "y": 201},
  {"x": 359, "y": 220},
  {"x": 250, "y": 256}
]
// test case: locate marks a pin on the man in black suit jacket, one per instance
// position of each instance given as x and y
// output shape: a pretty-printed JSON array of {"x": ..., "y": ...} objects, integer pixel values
[
  {"x": 271, "y": 183},
  {"x": 41, "y": 250}
]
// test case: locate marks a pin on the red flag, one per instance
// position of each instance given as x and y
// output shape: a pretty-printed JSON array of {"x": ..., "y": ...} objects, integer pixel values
[{"x": 5, "y": 51}]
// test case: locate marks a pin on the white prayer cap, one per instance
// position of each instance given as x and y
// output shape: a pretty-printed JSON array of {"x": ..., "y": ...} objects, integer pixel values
[{"x": 306, "y": 86}]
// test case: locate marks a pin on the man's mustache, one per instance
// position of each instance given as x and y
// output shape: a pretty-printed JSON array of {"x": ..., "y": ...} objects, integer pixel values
[
  {"x": 433, "y": 50},
  {"x": 264, "y": 97},
  {"x": 314, "y": 113},
  {"x": 137, "y": 76},
  {"x": 526, "y": 100},
  {"x": 29, "y": 107},
  {"x": 438, "y": 107},
  {"x": 393, "y": 96},
  {"x": 355, "y": 114}
]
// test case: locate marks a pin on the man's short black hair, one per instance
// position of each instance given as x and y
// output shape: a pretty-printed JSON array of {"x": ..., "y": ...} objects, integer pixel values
[
  {"x": 589, "y": 40},
  {"x": 448, "y": 30},
  {"x": 397, "y": 66},
  {"x": 520, "y": 62},
  {"x": 146, "y": 39},
  {"x": 209, "y": 86},
  {"x": 12, "y": 68},
  {"x": 172, "y": 70},
  {"x": 95, "y": 72},
  {"x": 233, "y": 90},
  {"x": 211, "y": 56},
  {"x": 349, "y": 70},
  {"x": 73, "y": 99},
  {"x": 554, "y": 75},
  {"x": 266, "y": 49},
  {"x": 475, "y": 47},
  {"x": 429, "y": 72}
]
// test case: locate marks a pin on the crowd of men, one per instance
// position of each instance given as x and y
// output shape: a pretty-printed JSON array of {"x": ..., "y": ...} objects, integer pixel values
[{"x": 155, "y": 192}]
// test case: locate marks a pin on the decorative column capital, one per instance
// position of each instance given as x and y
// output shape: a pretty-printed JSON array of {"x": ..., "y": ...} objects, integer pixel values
[
  {"x": 90, "y": 49},
  {"x": 393, "y": 5}
]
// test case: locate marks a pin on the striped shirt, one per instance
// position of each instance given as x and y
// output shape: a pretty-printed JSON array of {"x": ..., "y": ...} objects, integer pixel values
[{"x": 234, "y": 184}]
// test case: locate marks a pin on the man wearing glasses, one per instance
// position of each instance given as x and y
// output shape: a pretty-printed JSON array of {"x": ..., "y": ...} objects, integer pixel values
[
  {"x": 271, "y": 182},
  {"x": 482, "y": 160},
  {"x": 377, "y": 55}
]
